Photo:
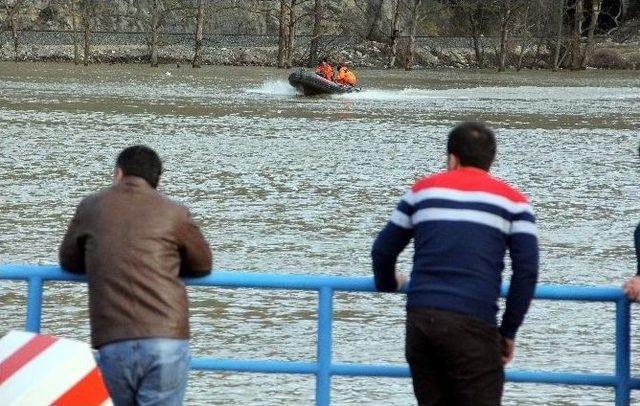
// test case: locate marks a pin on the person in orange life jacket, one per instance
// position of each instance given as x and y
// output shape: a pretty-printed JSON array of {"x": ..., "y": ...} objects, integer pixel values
[
  {"x": 344, "y": 76},
  {"x": 324, "y": 69}
]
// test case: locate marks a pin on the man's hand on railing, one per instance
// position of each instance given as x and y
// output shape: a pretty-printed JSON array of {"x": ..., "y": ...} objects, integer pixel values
[
  {"x": 401, "y": 280},
  {"x": 507, "y": 348},
  {"x": 632, "y": 288}
]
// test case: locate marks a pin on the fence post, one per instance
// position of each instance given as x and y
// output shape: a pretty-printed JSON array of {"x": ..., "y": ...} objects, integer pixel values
[
  {"x": 623, "y": 368},
  {"x": 34, "y": 304},
  {"x": 323, "y": 374}
]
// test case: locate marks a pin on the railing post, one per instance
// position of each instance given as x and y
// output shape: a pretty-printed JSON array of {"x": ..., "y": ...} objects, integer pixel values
[
  {"x": 323, "y": 375},
  {"x": 623, "y": 368},
  {"x": 34, "y": 305}
]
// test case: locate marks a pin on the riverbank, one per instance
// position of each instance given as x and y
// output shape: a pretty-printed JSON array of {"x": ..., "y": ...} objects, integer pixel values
[{"x": 431, "y": 53}]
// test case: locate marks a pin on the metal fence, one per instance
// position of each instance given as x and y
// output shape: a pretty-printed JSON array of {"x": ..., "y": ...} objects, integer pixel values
[
  {"x": 120, "y": 38},
  {"x": 323, "y": 367}
]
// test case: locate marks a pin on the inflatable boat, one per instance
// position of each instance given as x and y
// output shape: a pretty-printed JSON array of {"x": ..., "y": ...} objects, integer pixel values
[{"x": 311, "y": 84}]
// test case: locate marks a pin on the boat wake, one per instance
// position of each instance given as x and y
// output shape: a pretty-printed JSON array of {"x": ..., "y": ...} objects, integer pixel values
[
  {"x": 274, "y": 88},
  {"x": 283, "y": 88},
  {"x": 528, "y": 93}
]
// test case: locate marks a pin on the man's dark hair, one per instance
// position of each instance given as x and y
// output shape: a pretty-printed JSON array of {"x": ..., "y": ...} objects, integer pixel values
[
  {"x": 141, "y": 161},
  {"x": 474, "y": 144}
]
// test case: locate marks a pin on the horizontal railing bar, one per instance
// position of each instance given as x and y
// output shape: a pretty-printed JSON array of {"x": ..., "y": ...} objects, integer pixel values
[
  {"x": 243, "y": 365},
  {"x": 233, "y": 279},
  {"x": 563, "y": 378},
  {"x": 391, "y": 371}
]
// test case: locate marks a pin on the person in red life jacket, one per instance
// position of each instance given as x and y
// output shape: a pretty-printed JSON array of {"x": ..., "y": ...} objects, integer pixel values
[
  {"x": 462, "y": 222},
  {"x": 344, "y": 76},
  {"x": 324, "y": 69}
]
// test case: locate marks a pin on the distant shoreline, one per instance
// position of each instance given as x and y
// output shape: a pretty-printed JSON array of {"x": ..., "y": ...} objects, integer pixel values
[{"x": 432, "y": 52}]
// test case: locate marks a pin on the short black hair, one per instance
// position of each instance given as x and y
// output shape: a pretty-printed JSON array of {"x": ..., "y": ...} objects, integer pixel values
[
  {"x": 474, "y": 144},
  {"x": 141, "y": 161}
]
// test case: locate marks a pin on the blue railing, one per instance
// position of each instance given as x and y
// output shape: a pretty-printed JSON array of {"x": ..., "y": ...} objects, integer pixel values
[{"x": 324, "y": 368}]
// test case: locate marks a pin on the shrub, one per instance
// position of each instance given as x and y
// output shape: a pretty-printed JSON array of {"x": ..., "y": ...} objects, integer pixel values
[{"x": 607, "y": 58}]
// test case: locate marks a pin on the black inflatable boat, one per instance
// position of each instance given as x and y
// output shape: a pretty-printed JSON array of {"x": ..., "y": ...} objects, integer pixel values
[{"x": 311, "y": 84}]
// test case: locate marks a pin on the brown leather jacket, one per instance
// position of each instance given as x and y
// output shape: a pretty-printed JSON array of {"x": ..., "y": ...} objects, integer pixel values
[{"x": 133, "y": 245}]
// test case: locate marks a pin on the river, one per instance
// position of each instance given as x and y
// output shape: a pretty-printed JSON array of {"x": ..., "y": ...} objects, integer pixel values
[{"x": 287, "y": 184}]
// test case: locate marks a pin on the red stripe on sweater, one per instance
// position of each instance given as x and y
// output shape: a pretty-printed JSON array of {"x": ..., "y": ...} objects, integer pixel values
[{"x": 470, "y": 180}]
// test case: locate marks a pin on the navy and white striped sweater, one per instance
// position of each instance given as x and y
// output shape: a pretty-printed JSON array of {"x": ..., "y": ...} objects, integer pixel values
[{"x": 462, "y": 223}]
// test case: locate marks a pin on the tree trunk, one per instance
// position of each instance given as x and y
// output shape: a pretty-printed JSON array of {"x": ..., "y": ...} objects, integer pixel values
[
  {"x": 74, "y": 27},
  {"x": 282, "y": 34},
  {"x": 395, "y": 32},
  {"x": 408, "y": 63},
  {"x": 559, "y": 28},
  {"x": 154, "y": 34},
  {"x": 13, "y": 21},
  {"x": 197, "y": 53},
  {"x": 576, "y": 54},
  {"x": 475, "y": 36},
  {"x": 86, "y": 23},
  {"x": 374, "y": 17},
  {"x": 504, "y": 32},
  {"x": 291, "y": 34},
  {"x": 525, "y": 40},
  {"x": 596, "y": 6},
  {"x": 315, "y": 36}
]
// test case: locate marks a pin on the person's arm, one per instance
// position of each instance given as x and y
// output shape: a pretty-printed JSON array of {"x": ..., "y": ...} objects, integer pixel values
[
  {"x": 632, "y": 286},
  {"x": 523, "y": 250},
  {"x": 390, "y": 242},
  {"x": 636, "y": 242},
  {"x": 71, "y": 251},
  {"x": 194, "y": 249}
]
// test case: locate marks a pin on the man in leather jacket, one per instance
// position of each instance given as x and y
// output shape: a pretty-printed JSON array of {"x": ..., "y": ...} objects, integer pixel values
[{"x": 134, "y": 245}]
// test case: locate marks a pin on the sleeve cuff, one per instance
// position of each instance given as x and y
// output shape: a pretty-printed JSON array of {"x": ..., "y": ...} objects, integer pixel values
[{"x": 508, "y": 330}]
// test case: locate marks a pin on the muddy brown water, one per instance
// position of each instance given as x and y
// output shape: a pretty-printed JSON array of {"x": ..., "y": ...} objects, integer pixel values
[{"x": 287, "y": 184}]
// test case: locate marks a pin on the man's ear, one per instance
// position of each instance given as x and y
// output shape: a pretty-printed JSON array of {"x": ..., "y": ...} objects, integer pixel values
[
  {"x": 118, "y": 174},
  {"x": 452, "y": 162}
]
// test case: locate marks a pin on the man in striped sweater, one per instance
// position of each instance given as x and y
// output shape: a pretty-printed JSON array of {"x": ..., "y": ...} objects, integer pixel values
[{"x": 462, "y": 222}]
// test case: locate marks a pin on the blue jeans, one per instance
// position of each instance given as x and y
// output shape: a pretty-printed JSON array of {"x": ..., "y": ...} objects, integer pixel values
[{"x": 148, "y": 371}]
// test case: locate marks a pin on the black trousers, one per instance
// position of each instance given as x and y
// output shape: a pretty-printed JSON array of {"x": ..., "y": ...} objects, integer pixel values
[{"x": 454, "y": 359}]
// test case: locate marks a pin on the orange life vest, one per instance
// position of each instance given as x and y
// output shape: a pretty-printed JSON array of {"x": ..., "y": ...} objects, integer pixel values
[
  {"x": 325, "y": 70},
  {"x": 346, "y": 77}
]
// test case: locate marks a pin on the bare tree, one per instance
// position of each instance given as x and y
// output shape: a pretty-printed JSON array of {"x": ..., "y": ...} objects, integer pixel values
[
  {"x": 74, "y": 27},
  {"x": 576, "y": 57},
  {"x": 474, "y": 25},
  {"x": 395, "y": 32},
  {"x": 596, "y": 7},
  {"x": 374, "y": 14},
  {"x": 473, "y": 12},
  {"x": 155, "y": 16},
  {"x": 197, "y": 53},
  {"x": 13, "y": 9},
  {"x": 153, "y": 37},
  {"x": 318, "y": 13},
  {"x": 291, "y": 32},
  {"x": 559, "y": 36},
  {"x": 283, "y": 32},
  {"x": 506, "y": 11},
  {"x": 87, "y": 11},
  {"x": 415, "y": 16}
]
